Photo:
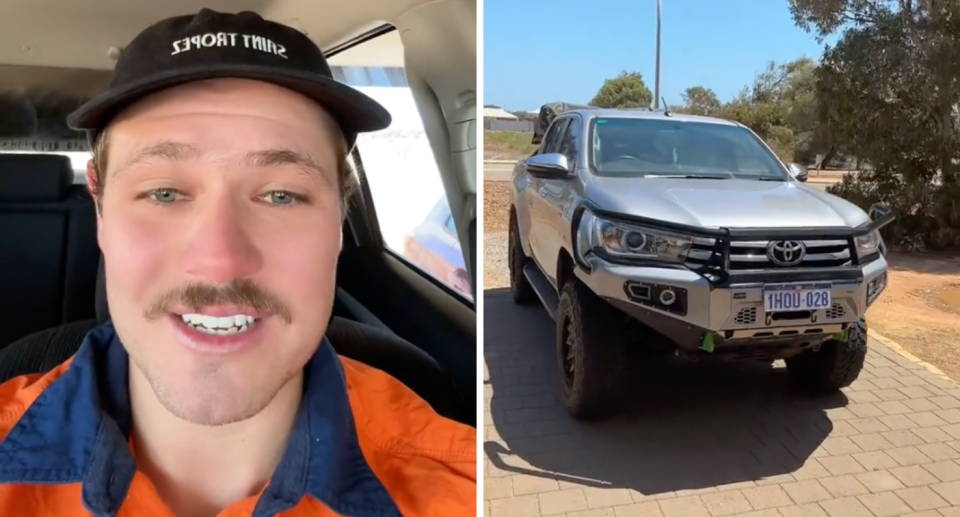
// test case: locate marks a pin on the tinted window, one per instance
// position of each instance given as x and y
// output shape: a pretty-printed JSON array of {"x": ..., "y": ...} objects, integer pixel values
[
  {"x": 568, "y": 145},
  {"x": 551, "y": 142},
  {"x": 650, "y": 147}
]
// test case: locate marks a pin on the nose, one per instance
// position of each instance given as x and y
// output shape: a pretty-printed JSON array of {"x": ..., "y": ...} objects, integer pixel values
[{"x": 220, "y": 247}]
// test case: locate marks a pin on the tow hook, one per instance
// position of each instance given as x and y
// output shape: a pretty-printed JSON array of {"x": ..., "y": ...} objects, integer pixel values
[{"x": 707, "y": 344}]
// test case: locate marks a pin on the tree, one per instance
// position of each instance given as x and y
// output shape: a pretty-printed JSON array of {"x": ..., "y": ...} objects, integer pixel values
[
  {"x": 779, "y": 105},
  {"x": 888, "y": 93},
  {"x": 699, "y": 100},
  {"x": 626, "y": 90}
]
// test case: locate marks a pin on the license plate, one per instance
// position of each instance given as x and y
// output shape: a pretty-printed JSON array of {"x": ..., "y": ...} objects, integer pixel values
[{"x": 796, "y": 297}]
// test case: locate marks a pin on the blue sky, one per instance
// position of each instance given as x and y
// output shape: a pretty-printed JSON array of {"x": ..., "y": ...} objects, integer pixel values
[{"x": 538, "y": 51}]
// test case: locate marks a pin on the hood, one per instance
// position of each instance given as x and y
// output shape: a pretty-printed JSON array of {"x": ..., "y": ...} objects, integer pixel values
[{"x": 727, "y": 203}]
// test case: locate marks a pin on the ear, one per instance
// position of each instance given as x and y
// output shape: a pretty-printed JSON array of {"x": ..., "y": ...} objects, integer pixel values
[{"x": 93, "y": 185}]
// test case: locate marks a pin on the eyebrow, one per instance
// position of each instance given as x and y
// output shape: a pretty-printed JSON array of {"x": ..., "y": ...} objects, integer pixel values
[
  {"x": 170, "y": 151},
  {"x": 181, "y": 151},
  {"x": 279, "y": 157}
]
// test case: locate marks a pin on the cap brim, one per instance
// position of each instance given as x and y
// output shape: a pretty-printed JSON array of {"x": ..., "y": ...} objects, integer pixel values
[{"x": 355, "y": 111}]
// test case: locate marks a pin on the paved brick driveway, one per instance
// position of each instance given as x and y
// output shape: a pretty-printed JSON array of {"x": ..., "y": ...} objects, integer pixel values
[{"x": 708, "y": 441}]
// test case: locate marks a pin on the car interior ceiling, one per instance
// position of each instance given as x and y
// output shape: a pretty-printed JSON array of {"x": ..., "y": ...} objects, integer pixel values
[{"x": 49, "y": 258}]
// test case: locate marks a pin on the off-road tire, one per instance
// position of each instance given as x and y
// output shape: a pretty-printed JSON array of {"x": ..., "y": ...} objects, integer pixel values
[
  {"x": 520, "y": 289},
  {"x": 597, "y": 339},
  {"x": 836, "y": 365}
]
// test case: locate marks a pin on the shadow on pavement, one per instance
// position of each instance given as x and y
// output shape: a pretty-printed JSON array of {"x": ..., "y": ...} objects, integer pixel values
[{"x": 684, "y": 427}]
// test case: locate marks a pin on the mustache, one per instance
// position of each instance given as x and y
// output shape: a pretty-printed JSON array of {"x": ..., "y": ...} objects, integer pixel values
[{"x": 197, "y": 295}]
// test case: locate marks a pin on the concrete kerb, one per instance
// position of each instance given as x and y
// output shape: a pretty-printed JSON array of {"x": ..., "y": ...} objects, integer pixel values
[{"x": 898, "y": 348}]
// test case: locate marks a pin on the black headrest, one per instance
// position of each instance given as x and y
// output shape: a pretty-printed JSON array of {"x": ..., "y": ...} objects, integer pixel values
[{"x": 34, "y": 177}]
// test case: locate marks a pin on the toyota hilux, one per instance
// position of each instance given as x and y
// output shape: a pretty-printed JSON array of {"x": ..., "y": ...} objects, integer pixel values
[{"x": 650, "y": 230}]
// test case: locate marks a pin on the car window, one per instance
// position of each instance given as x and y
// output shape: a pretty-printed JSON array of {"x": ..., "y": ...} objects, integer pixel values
[
  {"x": 650, "y": 147},
  {"x": 570, "y": 140},
  {"x": 35, "y": 103},
  {"x": 551, "y": 141},
  {"x": 399, "y": 165}
]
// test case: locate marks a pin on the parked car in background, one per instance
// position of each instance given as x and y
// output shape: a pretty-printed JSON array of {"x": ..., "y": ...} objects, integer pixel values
[{"x": 434, "y": 247}]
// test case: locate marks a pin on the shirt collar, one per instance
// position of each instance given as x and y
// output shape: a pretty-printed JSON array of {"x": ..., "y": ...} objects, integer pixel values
[{"x": 77, "y": 431}]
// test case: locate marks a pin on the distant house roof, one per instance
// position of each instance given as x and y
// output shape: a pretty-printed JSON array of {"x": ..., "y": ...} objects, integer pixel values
[{"x": 498, "y": 113}]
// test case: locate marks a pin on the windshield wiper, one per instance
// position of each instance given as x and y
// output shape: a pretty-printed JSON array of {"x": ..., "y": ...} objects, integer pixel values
[
  {"x": 692, "y": 176},
  {"x": 771, "y": 178}
]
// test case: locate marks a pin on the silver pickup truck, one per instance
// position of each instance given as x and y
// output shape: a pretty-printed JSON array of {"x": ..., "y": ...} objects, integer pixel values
[{"x": 685, "y": 235}]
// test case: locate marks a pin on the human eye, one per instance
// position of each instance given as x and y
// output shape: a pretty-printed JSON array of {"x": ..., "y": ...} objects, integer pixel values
[
  {"x": 283, "y": 198},
  {"x": 162, "y": 196}
]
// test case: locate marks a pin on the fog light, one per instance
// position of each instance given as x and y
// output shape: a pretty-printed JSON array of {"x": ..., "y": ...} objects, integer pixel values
[
  {"x": 667, "y": 297},
  {"x": 875, "y": 287}
]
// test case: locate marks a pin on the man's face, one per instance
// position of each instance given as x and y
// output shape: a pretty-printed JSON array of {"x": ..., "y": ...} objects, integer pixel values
[{"x": 220, "y": 230}]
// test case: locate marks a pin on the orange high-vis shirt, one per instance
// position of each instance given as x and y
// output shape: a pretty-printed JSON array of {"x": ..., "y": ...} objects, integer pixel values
[{"x": 363, "y": 445}]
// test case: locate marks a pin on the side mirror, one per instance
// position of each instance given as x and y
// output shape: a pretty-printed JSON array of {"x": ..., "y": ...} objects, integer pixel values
[
  {"x": 798, "y": 171},
  {"x": 551, "y": 165}
]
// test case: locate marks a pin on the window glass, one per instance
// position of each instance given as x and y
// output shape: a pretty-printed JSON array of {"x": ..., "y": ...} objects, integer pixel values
[
  {"x": 35, "y": 103},
  {"x": 551, "y": 142},
  {"x": 398, "y": 162},
  {"x": 635, "y": 147},
  {"x": 568, "y": 146}
]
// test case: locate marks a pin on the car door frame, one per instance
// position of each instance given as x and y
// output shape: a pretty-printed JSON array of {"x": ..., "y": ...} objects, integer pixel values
[
  {"x": 399, "y": 292},
  {"x": 556, "y": 193},
  {"x": 537, "y": 205}
]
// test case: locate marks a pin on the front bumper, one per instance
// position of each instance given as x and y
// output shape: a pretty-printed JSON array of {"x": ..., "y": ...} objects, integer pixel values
[
  {"x": 734, "y": 312},
  {"x": 714, "y": 299}
]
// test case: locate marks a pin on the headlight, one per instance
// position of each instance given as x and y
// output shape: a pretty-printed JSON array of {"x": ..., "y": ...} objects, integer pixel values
[
  {"x": 631, "y": 241},
  {"x": 868, "y": 244}
]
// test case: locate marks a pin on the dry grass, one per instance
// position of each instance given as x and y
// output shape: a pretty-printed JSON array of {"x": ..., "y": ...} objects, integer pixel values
[
  {"x": 507, "y": 145},
  {"x": 920, "y": 308}
]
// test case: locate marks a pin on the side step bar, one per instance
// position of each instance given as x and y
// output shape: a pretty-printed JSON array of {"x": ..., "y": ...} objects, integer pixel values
[{"x": 544, "y": 289}]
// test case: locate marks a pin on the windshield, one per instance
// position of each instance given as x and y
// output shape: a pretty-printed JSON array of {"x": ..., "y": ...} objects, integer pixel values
[{"x": 643, "y": 147}]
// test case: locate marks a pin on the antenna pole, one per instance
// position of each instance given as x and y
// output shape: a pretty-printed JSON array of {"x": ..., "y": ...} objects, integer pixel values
[{"x": 656, "y": 92}]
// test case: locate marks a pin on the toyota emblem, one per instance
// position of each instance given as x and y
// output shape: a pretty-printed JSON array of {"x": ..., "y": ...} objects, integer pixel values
[{"x": 786, "y": 253}]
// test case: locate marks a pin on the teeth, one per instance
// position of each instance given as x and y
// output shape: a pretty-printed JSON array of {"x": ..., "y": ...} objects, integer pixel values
[{"x": 219, "y": 326}]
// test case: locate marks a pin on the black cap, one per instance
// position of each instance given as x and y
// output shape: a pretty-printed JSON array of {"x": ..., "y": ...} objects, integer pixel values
[{"x": 213, "y": 45}]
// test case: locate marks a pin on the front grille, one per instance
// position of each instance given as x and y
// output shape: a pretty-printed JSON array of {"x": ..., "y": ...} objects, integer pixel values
[{"x": 752, "y": 255}]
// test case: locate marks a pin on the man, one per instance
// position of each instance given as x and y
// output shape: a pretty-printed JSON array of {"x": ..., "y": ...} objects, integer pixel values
[{"x": 219, "y": 179}]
